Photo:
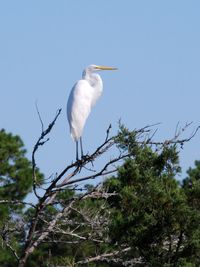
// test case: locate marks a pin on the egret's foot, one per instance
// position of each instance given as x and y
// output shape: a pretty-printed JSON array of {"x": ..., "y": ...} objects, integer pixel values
[
  {"x": 78, "y": 161},
  {"x": 85, "y": 157}
]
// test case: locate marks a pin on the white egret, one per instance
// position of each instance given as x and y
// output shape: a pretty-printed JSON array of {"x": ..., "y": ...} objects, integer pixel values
[{"x": 82, "y": 98}]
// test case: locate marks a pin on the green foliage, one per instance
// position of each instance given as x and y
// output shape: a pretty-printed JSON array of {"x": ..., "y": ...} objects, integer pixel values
[
  {"x": 191, "y": 185},
  {"x": 15, "y": 169},
  {"x": 15, "y": 184},
  {"x": 151, "y": 212}
]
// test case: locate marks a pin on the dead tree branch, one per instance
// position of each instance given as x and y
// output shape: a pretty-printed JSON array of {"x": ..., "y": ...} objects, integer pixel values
[
  {"x": 104, "y": 257},
  {"x": 40, "y": 142}
]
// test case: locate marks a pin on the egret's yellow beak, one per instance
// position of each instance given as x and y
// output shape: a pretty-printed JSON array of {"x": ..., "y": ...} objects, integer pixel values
[{"x": 105, "y": 68}]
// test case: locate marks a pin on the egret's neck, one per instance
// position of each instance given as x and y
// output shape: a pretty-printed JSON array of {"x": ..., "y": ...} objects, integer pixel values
[
  {"x": 94, "y": 79},
  {"x": 96, "y": 83}
]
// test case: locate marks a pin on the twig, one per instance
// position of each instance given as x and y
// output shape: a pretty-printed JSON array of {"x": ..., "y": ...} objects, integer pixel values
[{"x": 40, "y": 118}]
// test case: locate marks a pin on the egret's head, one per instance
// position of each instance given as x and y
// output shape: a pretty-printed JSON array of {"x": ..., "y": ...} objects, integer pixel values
[{"x": 94, "y": 68}]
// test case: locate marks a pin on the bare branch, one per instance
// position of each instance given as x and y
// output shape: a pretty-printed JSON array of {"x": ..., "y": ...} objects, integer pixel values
[
  {"x": 174, "y": 140},
  {"x": 100, "y": 173},
  {"x": 39, "y": 143},
  {"x": 104, "y": 256}
]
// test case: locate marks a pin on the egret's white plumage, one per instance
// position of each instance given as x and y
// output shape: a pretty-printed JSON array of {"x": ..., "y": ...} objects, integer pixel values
[{"x": 82, "y": 98}]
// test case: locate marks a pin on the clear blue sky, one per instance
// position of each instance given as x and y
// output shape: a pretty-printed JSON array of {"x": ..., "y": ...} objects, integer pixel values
[{"x": 44, "y": 45}]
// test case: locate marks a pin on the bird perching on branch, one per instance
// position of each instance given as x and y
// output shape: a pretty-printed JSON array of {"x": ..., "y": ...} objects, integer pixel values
[{"x": 82, "y": 98}]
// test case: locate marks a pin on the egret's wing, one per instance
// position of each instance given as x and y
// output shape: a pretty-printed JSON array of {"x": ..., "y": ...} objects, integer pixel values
[{"x": 79, "y": 107}]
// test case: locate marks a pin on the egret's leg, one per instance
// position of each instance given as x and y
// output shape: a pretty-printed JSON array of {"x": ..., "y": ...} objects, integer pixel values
[
  {"x": 81, "y": 147},
  {"x": 77, "y": 150}
]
